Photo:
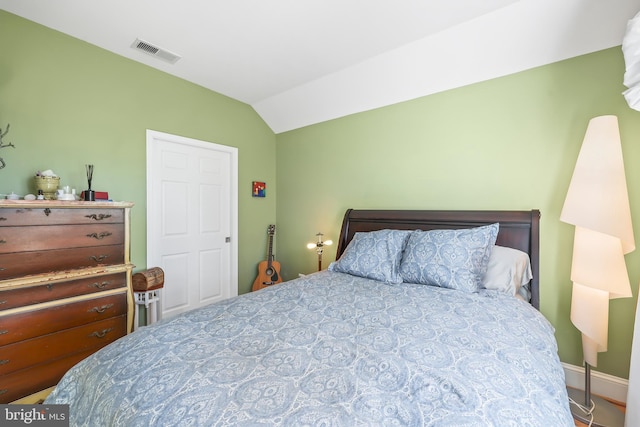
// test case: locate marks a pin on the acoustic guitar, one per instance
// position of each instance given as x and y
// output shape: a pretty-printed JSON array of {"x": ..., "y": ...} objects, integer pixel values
[{"x": 269, "y": 270}]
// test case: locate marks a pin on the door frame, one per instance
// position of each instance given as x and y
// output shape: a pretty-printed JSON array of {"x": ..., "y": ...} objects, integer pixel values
[{"x": 151, "y": 137}]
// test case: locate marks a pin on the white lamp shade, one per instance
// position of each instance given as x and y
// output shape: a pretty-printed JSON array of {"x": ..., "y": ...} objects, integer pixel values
[
  {"x": 598, "y": 262},
  {"x": 631, "y": 51},
  {"x": 599, "y": 273},
  {"x": 597, "y": 197},
  {"x": 590, "y": 314}
]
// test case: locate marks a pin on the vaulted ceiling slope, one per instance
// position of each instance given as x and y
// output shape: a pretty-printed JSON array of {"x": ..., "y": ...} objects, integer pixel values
[{"x": 300, "y": 62}]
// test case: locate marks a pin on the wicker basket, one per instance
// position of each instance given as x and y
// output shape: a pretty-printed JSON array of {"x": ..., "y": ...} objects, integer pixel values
[{"x": 48, "y": 185}]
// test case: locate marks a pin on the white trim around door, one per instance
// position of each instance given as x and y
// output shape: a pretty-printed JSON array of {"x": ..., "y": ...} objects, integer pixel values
[{"x": 192, "y": 220}]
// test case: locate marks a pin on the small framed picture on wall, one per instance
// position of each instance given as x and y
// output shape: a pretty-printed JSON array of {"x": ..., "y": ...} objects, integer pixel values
[{"x": 259, "y": 189}]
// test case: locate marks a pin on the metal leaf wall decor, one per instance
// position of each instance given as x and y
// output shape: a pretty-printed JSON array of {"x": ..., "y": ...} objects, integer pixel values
[{"x": 3, "y": 145}]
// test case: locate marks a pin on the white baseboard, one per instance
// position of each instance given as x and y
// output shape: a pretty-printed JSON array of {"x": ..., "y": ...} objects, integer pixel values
[{"x": 603, "y": 385}]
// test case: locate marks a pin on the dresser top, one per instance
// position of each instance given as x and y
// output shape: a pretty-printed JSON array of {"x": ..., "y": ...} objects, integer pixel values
[{"x": 31, "y": 204}]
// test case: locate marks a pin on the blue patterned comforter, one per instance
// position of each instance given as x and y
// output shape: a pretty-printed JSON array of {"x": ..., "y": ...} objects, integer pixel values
[{"x": 334, "y": 350}]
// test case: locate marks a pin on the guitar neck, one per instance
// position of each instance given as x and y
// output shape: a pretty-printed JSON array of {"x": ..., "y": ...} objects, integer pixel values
[
  {"x": 270, "y": 251},
  {"x": 271, "y": 231}
]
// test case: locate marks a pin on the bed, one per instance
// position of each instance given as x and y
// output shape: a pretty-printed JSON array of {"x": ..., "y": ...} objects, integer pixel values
[{"x": 340, "y": 348}]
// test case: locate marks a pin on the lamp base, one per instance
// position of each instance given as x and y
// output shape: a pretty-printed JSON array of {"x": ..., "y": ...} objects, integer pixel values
[{"x": 605, "y": 414}]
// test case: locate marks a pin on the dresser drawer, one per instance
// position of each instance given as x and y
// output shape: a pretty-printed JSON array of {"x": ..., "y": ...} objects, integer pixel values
[
  {"x": 61, "y": 344},
  {"x": 26, "y": 381},
  {"x": 53, "y": 291},
  {"x": 28, "y": 263},
  {"x": 53, "y": 216},
  {"x": 39, "y": 238},
  {"x": 29, "y": 324}
]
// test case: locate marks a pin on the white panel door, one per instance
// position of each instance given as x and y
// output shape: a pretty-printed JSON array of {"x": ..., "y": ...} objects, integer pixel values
[{"x": 191, "y": 220}]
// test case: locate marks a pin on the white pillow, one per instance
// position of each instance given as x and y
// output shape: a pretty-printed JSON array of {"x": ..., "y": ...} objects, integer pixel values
[{"x": 509, "y": 271}]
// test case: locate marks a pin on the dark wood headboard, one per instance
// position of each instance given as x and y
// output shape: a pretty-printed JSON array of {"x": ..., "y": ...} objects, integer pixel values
[{"x": 518, "y": 229}]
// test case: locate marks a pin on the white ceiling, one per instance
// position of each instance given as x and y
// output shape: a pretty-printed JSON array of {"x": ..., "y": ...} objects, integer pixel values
[{"x": 300, "y": 62}]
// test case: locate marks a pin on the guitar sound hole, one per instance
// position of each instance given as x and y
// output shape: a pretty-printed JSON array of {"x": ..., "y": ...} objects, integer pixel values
[{"x": 269, "y": 272}]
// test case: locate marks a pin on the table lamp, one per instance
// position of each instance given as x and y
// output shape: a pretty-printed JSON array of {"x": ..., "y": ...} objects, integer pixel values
[{"x": 319, "y": 246}]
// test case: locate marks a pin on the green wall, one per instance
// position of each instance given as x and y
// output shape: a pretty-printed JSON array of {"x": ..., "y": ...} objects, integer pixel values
[
  {"x": 70, "y": 103},
  {"x": 508, "y": 143}
]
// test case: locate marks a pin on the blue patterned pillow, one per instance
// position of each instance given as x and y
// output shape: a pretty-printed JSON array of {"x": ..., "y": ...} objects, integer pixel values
[
  {"x": 455, "y": 259},
  {"x": 374, "y": 255}
]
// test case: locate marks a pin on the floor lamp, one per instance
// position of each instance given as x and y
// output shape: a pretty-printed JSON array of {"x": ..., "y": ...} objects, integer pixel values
[
  {"x": 319, "y": 247},
  {"x": 597, "y": 205}
]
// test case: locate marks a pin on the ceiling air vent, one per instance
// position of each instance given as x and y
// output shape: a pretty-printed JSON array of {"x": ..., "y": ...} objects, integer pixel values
[{"x": 156, "y": 51}]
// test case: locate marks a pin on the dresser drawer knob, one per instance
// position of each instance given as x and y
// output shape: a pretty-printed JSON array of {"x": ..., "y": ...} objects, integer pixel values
[
  {"x": 99, "y": 285},
  {"x": 3, "y": 302},
  {"x": 98, "y": 217},
  {"x": 4, "y": 331},
  {"x": 99, "y": 236},
  {"x": 99, "y": 258},
  {"x": 4, "y": 361},
  {"x": 3, "y": 391},
  {"x": 100, "y": 334},
  {"x": 47, "y": 211},
  {"x": 100, "y": 309},
  {"x": 2, "y": 218},
  {"x": 3, "y": 241}
]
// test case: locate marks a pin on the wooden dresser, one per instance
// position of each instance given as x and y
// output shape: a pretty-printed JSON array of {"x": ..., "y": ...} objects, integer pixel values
[{"x": 65, "y": 289}]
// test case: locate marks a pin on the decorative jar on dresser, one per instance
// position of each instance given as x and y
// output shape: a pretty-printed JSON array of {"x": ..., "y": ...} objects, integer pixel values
[{"x": 65, "y": 289}]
